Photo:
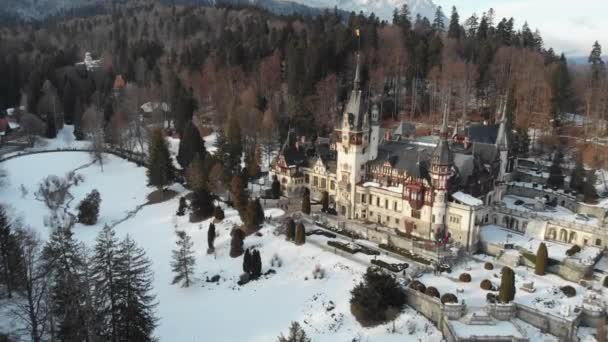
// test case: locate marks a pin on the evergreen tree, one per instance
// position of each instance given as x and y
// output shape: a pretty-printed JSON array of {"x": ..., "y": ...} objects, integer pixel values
[
  {"x": 233, "y": 148},
  {"x": 371, "y": 299},
  {"x": 325, "y": 201},
  {"x": 211, "y": 237},
  {"x": 296, "y": 334},
  {"x": 88, "y": 209},
  {"x": 291, "y": 230},
  {"x": 556, "y": 177},
  {"x": 507, "y": 286},
  {"x": 577, "y": 178},
  {"x": 306, "y": 202},
  {"x": 236, "y": 243},
  {"x": 300, "y": 237},
  {"x": 201, "y": 205},
  {"x": 183, "y": 259},
  {"x": 190, "y": 145},
  {"x": 218, "y": 213},
  {"x": 65, "y": 260},
  {"x": 160, "y": 168},
  {"x": 589, "y": 190},
  {"x": 239, "y": 195},
  {"x": 247, "y": 263},
  {"x": 106, "y": 278},
  {"x": 9, "y": 253},
  {"x": 454, "y": 28},
  {"x": 276, "y": 187},
  {"x": 561, "y": 89},
  {"x": 256, "y": 264},
  {"x": 542, "y": 259},
  {"x": 136, "y": 303},
  {"x": 439, "y": 21},
  {"x": 181, "y": 210},
  {"x": 51, "y": 126},
  {"x": 598, "y": 67}
]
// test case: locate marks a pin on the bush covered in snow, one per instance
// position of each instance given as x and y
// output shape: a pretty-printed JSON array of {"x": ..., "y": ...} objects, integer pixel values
[
  {"x": 218, "y": 213},
  {"x": 418, "y": 286},
  {"x": 488, "y": 266},
  {"x": 487, "y": 285},
  {"x": 88, "y": 209},
  {"x": 55, "y": 191},
  {"x": 432, "y": 291},
  {"x": 465, "y": 278},
  {"x": 276, "y": 261},
  {"x": 377, "y": 298},
  {"x": 449, "y": 298}
]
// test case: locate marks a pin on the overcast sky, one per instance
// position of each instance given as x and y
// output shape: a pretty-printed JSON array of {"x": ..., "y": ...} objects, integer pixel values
[{"x": 569, "y": 26}]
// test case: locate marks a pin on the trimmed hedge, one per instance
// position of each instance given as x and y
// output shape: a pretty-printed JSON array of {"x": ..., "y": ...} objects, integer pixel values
[
  {"x": 488, "y": 266},
  {"x": 405, "y": 253},
  {"x": 449, "y": 298},
  {"x": 384, "y": 264},
  {"x": 465, "y": 278},
  {"x": 418, "y": 286},
  {"x": 432, "y": 291},
  {"x": 606, "y": 282},
  {"x": 486, "y": 285},
  {"x": 342, "y": 247},
  {"x": 568, "y": 290}
]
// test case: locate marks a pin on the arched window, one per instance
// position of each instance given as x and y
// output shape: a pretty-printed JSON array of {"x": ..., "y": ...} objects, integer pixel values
[
  {"x": 598, "y": 242},
  {"x": 572, "y": 238},
  {"x": 563, "y": 235}
]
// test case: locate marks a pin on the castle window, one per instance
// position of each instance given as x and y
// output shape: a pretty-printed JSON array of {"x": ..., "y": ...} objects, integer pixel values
[
  {"x": 416, "y": 214},
  {"x": 315, "y": 181},
  {"x": 396, "y": 220},
  {"x": 363, "y": 198},
  {"x": 377, "y": 201},
  {"x": 386, "y": 204},
  {"x": 332, "y": 185},
  {"x": 395, "y": 206},
  {"x": 323, "y": 183},
  {"x": 307, "y": 179}
]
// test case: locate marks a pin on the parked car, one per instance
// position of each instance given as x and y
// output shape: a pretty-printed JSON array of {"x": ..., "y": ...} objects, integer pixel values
[
  {"x": 332, "y": 211},
  {"x": 322, "y": 233},
  {"x": 581, "y": 217},
  {"x": 519, "y": 202}
]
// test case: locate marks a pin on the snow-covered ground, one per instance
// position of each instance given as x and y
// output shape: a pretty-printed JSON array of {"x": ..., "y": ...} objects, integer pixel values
[
  {"x": 224, "y": 311},
  {"x": 558, "y": 212}
]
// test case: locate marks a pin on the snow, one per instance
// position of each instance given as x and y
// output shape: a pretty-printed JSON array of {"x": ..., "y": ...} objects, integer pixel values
[
  {"x": 547, "y": 298},
  {"x": 467, "y": 199},
  {"x": 381, "y": 8},
  {"x": 397, "y": 189},
  {"x": 556, "y": 250},
  {"x": 501, "y": 328},
  {"x": 210, "y": 142},
  {"x": 260, "y": 310},
  {"x": 557, "y": 213}
]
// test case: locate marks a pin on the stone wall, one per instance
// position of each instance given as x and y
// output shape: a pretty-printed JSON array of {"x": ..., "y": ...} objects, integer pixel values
[
  {"x": 428, "y": 306},
  {"x": 565, "y": 330}
]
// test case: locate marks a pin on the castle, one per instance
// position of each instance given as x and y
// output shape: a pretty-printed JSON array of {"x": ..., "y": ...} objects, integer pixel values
[{"x": 436, "y": 189}]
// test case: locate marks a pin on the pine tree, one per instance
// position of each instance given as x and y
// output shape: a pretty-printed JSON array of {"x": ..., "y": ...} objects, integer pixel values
[
  {"x": 136, "y": 302},
  {"x": 577, "y": 178},
  {"x": 247, "y": 267},
  {"x": 190, "y": 146},
  {"x": 211, "y": 238},
  {"x": 9, "y": 253},
  {"x": 454, "y": 28},
  {"x": 88, "y": 209},
  {"x": 160, "y": 168},
  {"x": 276, "y": 187},
  {"x": 239, "y": 195},
  {"x": 201, "y": 205},
  {"x": 296, "y": 334},
  {"x": 195, "y": 174},
  {"x": 65, "y": 259},
  {"x": 256, "y": 267},
  {"x": 183, "y": 259},
  {"x": 541, "y": 259},
  {"x": 105, "y": 277},
  {"x": 438, "y": 22},
  {"x": 236, "y": 243},
  {"x": 306, "y": 202},
  {"x": 507, "y": 286},
  {"x": 556, "y": 177},
  {"x": 300, "y": 237},
  {"x": 234, "y": 146},
  {"x": 325, "y": 201},
  {"x": 598, "y": 67},
  {"x": 218, "y": 213},
  {"x": 589, "y": 190},
  {"x": 291, "y": 230},
  {"x": 181, "y": 210}
]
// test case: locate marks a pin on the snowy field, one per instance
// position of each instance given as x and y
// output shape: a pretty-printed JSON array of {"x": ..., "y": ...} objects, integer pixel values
[
  {"x": 557, "y": 213},
  {"x": 224, "y": 311}
]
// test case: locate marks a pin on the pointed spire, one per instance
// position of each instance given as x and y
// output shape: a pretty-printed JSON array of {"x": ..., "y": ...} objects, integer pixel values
[
  {"x": 501, "y": 137},
  {"x": 357, "y": 82},
  {"x": 444, "y": 123}
]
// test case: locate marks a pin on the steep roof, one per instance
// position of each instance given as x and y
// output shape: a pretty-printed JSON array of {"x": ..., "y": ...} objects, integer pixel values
[{"x": 403, "y": 156}]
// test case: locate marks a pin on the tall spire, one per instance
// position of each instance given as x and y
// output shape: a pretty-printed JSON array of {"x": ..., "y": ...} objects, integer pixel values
[
  {"x": 444, "y": 123},
  {"x": 357, "y": 82},
  {"x": 501, "y": 137}
]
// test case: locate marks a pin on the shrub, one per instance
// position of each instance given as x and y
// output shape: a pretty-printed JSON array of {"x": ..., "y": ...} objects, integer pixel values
[
  {"x": 276, "y": 187},
  {"x": 181, "y": 210},
  {"x": 449, "y": 298},
  {"x": 341, "y": 246},
  {"x": 291, "y": 230},
  {"x": 488, "y": 266},
  {"x": 606, "y": 282},
  {"x": 573, "y": 250},
  {"x": 376, "y": 298},
  {"x": 218, "y": 213},
  {"x": 506, "y": 293},
  {"x": 300, "y": 234},
  {"x": 88, "y": 209},
  {"x": 465, "y": 278},
  {"x": 568, "y": 290},
  {"x": 418, "y": 286},
  {"x": 486, "y": 285},
  {"x": 318, "y": 272},
  {"x": 491, "y": 298},
  {"x": 236, "y": 243},
  {"x": 541, "y": 259},
  {"x": 432, "y": 291}
]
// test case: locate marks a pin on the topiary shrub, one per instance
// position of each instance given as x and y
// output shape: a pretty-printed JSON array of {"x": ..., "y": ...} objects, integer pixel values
[
  {"x": 507, "y": 286},
  {"x": 491, "y": 298},
  {"x": 449, "y": 298},
  {"x": 88, "y": 209},
  {"x": 573, "y": 250},
  {"x": 542, "y": 258},
  {"x": 568, "y": 290},
  {"x": 486, "y": 285},
  {"x": 606, "y": 282},
  {"x": 418, "y": 286},
  {"x": 377, "y": 298},
  {"x": 218, "y": 213},
  {"x": 465, "y": 278},
  {"x": 488, "y": 266},
  {"x": 432, "y": 291}
]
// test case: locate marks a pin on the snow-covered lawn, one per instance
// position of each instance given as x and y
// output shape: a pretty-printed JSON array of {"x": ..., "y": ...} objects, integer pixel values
[
  {"x": 558, "y": 213},
  {"x": 224, "y": 311},
  {"x": 547, "y": 298}
]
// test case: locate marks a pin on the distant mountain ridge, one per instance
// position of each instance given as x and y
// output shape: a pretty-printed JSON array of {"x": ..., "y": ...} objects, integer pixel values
[
  {"x": 381, "y": 8},
  {"x": 32, "y": 10}
]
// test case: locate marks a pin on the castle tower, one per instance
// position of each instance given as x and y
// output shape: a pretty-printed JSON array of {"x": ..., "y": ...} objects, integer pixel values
[
  {"x": 353, "y": 147},
  {"x": 441, "y": 171}
]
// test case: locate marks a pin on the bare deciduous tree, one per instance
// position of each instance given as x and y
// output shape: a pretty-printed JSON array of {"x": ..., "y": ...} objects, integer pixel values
[
  {"x": 32, "y": 127},
  {"x": 93, "y": 125}
]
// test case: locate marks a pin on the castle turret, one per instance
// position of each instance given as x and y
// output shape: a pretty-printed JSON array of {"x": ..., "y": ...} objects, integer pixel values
[{"x": 441, "y": 171}]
